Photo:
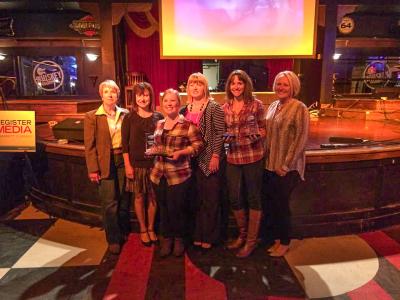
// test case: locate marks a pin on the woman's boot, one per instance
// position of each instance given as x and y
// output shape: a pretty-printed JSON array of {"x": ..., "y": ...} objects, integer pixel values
[
  {"x": 166, "y": 247},
  {"x": 241, "y": 221},
  {"x": 252, "y": 234}
]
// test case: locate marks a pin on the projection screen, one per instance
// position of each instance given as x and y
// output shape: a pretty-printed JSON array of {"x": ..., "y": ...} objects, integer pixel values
[{"x": 237, "y": 28}]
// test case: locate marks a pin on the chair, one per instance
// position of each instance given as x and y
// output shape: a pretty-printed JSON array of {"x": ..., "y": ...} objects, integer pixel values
[{"x": 131, "y": 79}]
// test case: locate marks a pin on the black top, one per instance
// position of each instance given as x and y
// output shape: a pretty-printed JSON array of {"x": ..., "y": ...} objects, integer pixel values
[{"x": 134, "y": 132}]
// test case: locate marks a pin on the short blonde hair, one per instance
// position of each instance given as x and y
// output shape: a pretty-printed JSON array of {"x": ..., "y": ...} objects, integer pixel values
[
  {"x": 111, "y": 84},
  {"x": 294, "y": 82},
  {"x": 198, "y": 77},
  {"x": 171, "y": 91}
]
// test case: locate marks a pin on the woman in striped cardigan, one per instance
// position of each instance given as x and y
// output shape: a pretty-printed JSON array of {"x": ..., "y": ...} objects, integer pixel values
[{"x": 208, "y": 116}]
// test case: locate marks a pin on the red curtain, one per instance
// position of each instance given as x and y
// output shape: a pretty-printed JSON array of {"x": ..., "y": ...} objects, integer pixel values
[
  {"x": 143, "y": 55},
  {"x": 274, "y": 66}
]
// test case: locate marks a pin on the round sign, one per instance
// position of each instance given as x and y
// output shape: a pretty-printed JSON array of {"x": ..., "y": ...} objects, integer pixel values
[
  {"x": 346, "y": 25},
  {"x": 48, "y": 75},
  {"x": 376, "y": 74}
]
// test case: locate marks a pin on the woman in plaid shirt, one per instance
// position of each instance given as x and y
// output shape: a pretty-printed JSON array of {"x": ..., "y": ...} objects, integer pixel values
[
  {"x": 176, "y": 141},
  {"x": 245, "y": 123}
]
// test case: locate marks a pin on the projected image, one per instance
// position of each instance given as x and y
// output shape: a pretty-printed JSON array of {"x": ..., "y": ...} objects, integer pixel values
[
  {"x": 238, "y": 27},
  {"x": 244, "y": 18}
]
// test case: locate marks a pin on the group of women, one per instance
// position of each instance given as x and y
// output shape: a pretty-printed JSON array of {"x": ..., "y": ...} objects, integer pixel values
[{"x": 187, "y": 155}]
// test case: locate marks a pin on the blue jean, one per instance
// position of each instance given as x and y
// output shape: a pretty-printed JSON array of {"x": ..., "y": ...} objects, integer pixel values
[
  {"x": 244, "y": 185},
  {"x": 115, "y": 202}
]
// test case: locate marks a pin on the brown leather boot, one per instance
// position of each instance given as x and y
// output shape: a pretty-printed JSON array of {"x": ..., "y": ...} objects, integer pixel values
[
  {"x": 166, "y": 247},
  {"x": 114, "y": 249},
  {"x": 179, "y": 247},
  {"x": 251, "y": 241},
  {"x": 241, "y": 221}
]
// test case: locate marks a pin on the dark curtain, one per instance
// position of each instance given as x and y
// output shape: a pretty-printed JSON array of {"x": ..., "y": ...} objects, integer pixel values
[
  {"x": 274, "y": 66},
  {"x": 119, "y": 55},
  {"x": 144, "y": 56}
]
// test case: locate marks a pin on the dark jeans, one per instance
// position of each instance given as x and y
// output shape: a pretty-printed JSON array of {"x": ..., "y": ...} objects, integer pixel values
[
  {"x": 172, "y": 207},
  {"x": 276, "y": 204},
  {"x": 248, "y": 176},
  {"x": 208, "y": 204},
  {"x": 115, "y": 202}
]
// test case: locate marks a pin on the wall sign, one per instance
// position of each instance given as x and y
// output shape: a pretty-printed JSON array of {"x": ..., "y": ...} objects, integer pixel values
[
  {"x": 376, "y": 74},
  {"x": 17, "y": 131},
  {"x": 346, "y": 25},
  {"x": 48, "y": 75},
  {"x": 86, "y": 25}
]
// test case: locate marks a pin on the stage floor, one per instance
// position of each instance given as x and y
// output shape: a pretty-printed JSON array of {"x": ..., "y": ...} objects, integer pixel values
[{"x": 322, "y": 128}]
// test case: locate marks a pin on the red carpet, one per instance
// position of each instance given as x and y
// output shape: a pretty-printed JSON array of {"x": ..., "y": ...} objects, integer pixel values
[
  {"x": 371, "y": 291},
  {"x": 384, "y": 246},
  {"x": 200, "y": 286},
  {"x": 129, "y": 279}
]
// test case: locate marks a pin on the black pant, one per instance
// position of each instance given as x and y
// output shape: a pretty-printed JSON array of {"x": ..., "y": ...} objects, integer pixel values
[
  {"x": 250, "y": 176},
  {"x": 207, "y": 210},
  {"x": 276, "y": 204},
  {"x": 115, "y": 201},
  {"x": 172, "y": 203}
]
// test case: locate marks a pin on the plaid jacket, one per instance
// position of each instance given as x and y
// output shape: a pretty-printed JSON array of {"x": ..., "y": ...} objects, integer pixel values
[
  {"x": 250, "y": 120},
  {"x": 183, "y": 135}
]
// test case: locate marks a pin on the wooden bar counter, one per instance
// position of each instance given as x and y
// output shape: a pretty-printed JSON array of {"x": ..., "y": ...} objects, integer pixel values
[{"x": 347, "y": 190}]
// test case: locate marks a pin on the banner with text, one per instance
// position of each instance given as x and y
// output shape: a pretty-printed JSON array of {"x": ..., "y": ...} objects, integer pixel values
[{"x": 17, "y": 131}]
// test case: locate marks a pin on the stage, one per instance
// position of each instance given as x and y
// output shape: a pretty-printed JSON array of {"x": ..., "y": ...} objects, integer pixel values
[{"x": 349, "y": 189}]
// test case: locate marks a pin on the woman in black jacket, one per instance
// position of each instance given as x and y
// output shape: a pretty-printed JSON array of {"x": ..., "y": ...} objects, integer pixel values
[{"x": 208, "y": 116}]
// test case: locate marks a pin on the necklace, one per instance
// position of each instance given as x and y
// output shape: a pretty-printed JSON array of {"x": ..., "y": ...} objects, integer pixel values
[{"x": 191, "y": 107}]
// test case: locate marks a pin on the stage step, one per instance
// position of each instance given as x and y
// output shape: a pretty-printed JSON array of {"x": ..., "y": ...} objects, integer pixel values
[
  {"x": 362, "y": 114},
  {"x": 367, "y": 104}
]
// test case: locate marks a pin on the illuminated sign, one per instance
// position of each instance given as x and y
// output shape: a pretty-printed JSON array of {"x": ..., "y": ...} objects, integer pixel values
[
  {"x": 17, "y": 131},
  {"x": 87, "y": 26},
  {"x": 376, "y": 74},
  {"x": 346, "y": 25},
  {"x": 48, "y": 75}
]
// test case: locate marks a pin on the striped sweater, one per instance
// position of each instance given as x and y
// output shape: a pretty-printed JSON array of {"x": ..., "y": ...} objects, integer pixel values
[{"x": 212, "y": 128}]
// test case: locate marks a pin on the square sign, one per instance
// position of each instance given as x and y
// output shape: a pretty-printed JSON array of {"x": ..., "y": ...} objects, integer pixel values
[{"x": 17, "y": 131}]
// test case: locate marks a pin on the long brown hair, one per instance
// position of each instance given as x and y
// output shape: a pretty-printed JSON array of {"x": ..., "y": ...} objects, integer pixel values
[
  {"x": 248, "y": 85},
  {"x": 138, "y": 89}
]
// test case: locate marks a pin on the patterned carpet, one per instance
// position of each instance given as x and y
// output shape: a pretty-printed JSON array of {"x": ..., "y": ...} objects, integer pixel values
[{"x": 45, "y": 258}]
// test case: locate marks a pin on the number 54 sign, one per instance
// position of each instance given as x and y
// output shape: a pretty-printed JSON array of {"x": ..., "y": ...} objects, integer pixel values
[{"x": 346, "y": 25}]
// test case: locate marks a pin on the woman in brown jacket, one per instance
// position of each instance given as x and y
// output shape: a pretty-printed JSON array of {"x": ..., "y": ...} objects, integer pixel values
[{"x": 105, "y": 164}]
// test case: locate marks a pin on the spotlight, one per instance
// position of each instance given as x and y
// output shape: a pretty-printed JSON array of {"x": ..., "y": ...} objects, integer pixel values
[
  {"x": 2, "y": 56},
  {"x": 92, "y": 56},
  {"x": 336, "y": 56}
]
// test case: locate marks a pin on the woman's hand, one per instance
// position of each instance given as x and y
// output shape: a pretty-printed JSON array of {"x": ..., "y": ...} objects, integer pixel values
[
  {"x": 176, "y": 154},
  {"x": 129, "y": 172},
  {"x": 253, "y": 137},
  {"x": 214, "y": 164},
  {"x": 281, "y": 172},
  {"x": 94, "y": 177}
]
